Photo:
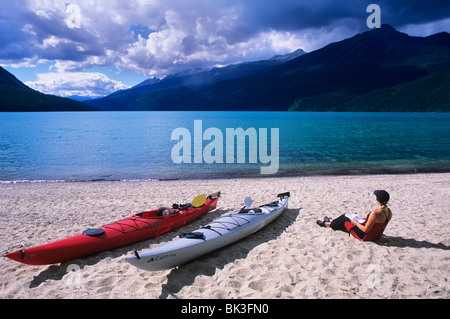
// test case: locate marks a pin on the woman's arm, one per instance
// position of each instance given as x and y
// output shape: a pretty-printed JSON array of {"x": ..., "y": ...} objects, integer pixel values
[{"x": 369, "y": 224}]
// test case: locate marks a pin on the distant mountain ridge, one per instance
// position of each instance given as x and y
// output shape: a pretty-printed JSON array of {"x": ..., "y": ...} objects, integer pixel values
[
  {"x": 17, "y": 97},
  {"x": 193, "y": 78},
  {"x": 378, "y": 70}
]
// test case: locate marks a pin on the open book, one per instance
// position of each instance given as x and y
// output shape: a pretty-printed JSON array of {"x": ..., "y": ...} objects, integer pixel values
[{"x": 355, "y": 217}]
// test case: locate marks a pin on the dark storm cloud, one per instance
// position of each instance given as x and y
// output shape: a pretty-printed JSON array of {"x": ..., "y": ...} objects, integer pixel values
[
  {"x": 294, "y": 16},
  {"x": 298, "y": 15},
  {"x": 403, "y": 12}
]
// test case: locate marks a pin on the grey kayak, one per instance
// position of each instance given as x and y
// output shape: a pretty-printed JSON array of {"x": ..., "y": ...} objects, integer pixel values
[{"x": 219, "y": 233}]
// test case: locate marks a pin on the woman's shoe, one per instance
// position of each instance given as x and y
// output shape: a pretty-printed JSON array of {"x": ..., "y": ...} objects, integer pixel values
[{"x": 321, "y": 223}]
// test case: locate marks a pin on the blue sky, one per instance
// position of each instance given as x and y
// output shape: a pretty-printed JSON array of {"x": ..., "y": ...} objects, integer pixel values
[{"x": 95, "y": 47}]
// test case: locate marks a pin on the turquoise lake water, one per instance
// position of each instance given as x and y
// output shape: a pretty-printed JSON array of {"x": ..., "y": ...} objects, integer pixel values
[{"x": 86, "y": 146}]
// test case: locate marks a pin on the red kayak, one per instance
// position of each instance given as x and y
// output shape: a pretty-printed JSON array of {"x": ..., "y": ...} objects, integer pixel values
[{"x": 129, "y": 230}]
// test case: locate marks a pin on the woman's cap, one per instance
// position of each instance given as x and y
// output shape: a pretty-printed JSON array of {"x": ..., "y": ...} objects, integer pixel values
[{"x": 382, "y": 196}]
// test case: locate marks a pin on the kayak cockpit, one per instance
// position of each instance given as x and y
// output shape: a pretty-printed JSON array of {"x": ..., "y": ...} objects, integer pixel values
[{"x": 157, "y": 213}]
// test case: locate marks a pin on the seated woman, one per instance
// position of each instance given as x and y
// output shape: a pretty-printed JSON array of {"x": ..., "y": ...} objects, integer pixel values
[{"x": 374, "y": 225}]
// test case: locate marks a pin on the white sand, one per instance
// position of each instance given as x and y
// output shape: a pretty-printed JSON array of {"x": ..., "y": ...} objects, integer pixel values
[{"x": 290, "y": 258}]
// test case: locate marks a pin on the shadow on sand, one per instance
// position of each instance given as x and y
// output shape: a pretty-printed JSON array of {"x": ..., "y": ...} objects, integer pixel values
[
  {"x": 392, "y": 241},
  {"x": 207, "y": 265}
]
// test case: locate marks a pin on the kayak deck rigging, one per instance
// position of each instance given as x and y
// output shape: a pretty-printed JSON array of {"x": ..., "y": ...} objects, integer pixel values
[
  {"x": 136, "y": 226},
  {"x": 234, "y": 219}
]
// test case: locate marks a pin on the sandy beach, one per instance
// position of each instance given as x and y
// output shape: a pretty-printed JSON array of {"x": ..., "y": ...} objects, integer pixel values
[{"x": 290, "y": 258}]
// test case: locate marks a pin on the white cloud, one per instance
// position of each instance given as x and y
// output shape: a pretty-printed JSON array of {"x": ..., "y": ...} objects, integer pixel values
[
  {"x": 202, "y": 41},
  {"x": 76, "y": 83}
]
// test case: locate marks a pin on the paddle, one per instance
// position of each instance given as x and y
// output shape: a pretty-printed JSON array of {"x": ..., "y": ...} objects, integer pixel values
[
  {"x": 199, "y": 200},
  {"x": 248, "y": 202},
  {"x": 196, "y": 202}
]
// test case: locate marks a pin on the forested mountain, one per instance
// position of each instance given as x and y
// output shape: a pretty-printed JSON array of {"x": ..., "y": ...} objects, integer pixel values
[
  {"x": 17, "y": 97},
  {"x": 378, "y": 70}
]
